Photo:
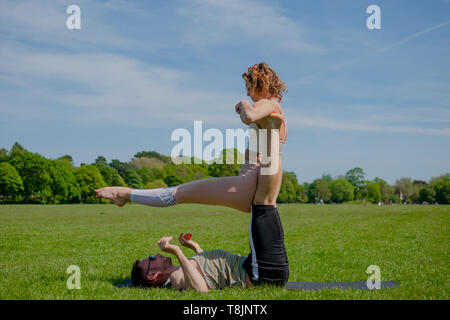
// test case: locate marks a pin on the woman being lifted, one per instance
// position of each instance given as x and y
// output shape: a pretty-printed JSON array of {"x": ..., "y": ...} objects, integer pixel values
[{"x": 260, "y": 176}]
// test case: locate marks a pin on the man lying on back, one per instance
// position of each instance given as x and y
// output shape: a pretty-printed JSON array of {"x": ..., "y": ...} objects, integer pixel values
[{"x": 215, "y": 269}]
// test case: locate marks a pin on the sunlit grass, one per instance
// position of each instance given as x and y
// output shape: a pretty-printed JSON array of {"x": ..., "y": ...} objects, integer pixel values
[{"x": 410, "y": 244}]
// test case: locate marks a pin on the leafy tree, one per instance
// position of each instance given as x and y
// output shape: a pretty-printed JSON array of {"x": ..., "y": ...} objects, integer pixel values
[
  {"x": 4, "y": 155},
  {"x": 128, "y": 172},
  {"x": 200, "y": 175},
  {"x": 223, "y": 170},
  {"x": 158, "y": 183},
  {"x": 287, "y": 192},
  {"x": 323, "y": 190},
  {"x": 341, "y": 190},
  {"x": 110, "y": 175},
  {"x": 383, "y": 188},
  {"x": 101, "y": 160},
  {"x": 68, "y": 158},
  {"x": 66, "y": 161},
  {"x": 369, "y": 191},
  {"x": 148, "y": 162},
  {"x": 146, "y": 175},
  {"x": 172, "y": 180},
  {"x": 305, "y": 195},
  {"x": 34, "y": 171},
  {"x": 180, "y": 171},
  {"x": 440, "y": 178},
  {"x": 390, "y": 195},
  {"x": 373, "y": 192},
  {"x": 121, "y": 167},
  {"x": 154, "y": 154},
  {"x": 17, "y": 147},
  {"x": 290, "y": 190},
  {"x": 327, "y": 177},
  {"x": 89, "y": 178},
  {"x": 442, "y": 190},
  {"x": 363, "y": 192},
  {"x": 132, "y": 179},
  {"x": 427, "y": 194},
  {"x": 404, "y": 187},
  {"x": 158, "y": 173},
  {"x": 64, "y": 185},
  {"x": 319, "y": 190},
  {"x": 220, "y": 168},
  {"x": 417, "y": 185},
  {"x": 356, "y": 177},
  {"x": 10, "y": 182}
]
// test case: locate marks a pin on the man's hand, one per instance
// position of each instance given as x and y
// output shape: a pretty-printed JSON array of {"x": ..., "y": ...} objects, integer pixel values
[
  {"x": 189, "y": 244},
  {"x": 165, "y": 245}
]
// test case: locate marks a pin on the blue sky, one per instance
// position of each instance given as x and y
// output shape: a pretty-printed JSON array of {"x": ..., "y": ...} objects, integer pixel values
[{"x": 137, "y": 70}]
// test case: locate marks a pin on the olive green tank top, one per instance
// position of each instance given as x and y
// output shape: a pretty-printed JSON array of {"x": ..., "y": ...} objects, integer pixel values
[{"x": 221, "y": 269}]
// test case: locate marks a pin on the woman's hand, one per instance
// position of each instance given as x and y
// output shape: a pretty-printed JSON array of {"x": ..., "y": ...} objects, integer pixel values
[
  {"x": 165, "y": 245},
  {"x": 240, "y": 109}
]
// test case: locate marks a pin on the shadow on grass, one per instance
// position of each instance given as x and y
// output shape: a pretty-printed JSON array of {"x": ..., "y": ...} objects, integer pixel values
[{"x": 121, "y": 282}]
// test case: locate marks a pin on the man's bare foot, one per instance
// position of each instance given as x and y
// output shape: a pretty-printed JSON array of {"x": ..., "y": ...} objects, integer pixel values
[{"x": 119, "y": 195}]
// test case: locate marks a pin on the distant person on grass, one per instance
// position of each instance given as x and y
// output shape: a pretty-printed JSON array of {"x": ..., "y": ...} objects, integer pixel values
[{"x": 215, "y": 269}]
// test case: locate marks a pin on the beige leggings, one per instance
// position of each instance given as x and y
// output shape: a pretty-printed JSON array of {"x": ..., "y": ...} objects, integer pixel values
[{"x": 235, "y": 192}]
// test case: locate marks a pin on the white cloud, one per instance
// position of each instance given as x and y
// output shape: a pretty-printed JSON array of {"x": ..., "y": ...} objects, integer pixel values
[
  {"x": 362, "y": 125},
  {"x": 103, "y": 86},
  {"x": 371, "y": 53},
  {"x": 44, "y": 22},
  {"x": 219, "y": 22},
  {"x": 206, "y": 23}
]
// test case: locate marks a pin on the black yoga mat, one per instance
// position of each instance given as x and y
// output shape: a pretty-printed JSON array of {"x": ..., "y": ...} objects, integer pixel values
[
  {"x": 309, "y": 285},
  {"x": 360, "y": 285}
]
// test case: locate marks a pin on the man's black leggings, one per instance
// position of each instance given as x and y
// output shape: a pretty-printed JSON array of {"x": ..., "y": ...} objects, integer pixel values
[{"x": 267, "y": 261}]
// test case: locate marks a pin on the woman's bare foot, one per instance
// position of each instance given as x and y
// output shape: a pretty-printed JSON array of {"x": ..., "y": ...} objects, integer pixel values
[{"x": 119, "y": 195}]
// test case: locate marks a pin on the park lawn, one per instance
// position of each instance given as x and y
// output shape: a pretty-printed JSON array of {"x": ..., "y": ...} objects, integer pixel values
[{"x": 332, "y": 243}]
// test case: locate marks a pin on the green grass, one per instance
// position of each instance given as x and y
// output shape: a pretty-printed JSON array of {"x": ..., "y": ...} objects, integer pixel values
[{"x": 410, "y": 244}]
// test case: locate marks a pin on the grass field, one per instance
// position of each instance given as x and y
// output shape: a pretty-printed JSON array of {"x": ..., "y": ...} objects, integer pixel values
[{"x": 410, "y": 244}]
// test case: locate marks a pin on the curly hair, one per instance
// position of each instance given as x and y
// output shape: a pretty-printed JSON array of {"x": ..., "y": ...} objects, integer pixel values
[{"x": 261, "y": 77}]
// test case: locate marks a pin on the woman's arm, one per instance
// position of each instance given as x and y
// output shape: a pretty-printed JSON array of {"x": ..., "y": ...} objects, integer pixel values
[
  {"x": 192, "y": 277},
  {"x": 251, "y": 113}
]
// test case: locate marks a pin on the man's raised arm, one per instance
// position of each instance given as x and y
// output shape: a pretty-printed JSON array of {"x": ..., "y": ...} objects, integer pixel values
[
  {"x": 191, "y": 244},
  {"x": 192, "y": 277}
]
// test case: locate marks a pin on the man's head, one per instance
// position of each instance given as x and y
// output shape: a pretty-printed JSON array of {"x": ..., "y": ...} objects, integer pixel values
[{"x": 152, "y": 271}]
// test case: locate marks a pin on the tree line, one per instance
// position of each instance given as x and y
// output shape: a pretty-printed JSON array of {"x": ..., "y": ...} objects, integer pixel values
[{"x": 27, "y": 177}]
